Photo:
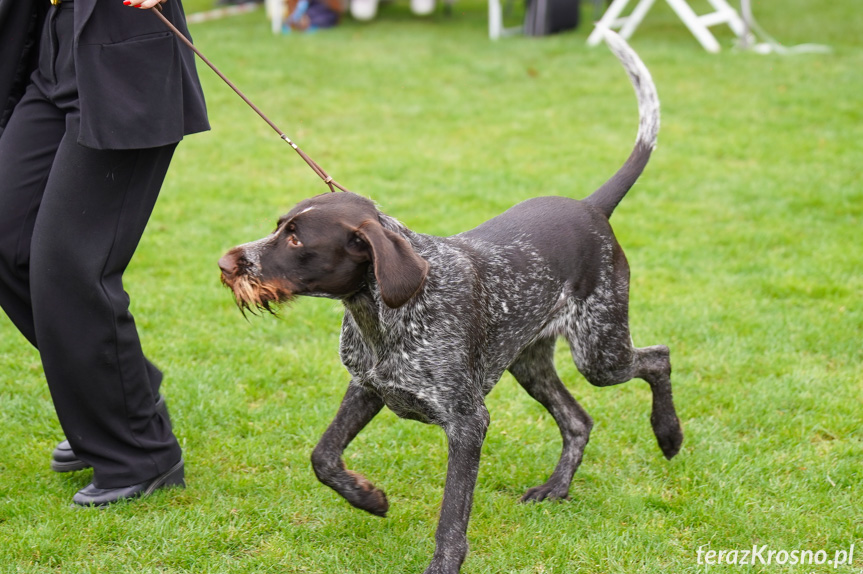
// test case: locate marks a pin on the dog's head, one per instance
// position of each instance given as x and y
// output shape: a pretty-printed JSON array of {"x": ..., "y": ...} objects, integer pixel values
[{"x": 325, "y": 246}]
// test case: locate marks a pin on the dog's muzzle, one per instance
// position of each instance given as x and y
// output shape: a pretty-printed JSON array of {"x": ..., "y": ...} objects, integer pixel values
[{"x": 250, "y": 291}]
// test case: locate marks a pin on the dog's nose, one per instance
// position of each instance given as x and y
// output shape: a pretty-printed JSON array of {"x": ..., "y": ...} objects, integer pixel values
[{"x": 228, "y": 263}]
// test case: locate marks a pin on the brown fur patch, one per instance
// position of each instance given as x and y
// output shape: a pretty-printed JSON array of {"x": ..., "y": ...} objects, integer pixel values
[
  {"x": 374, "y": 501},
  {"x": 251, "y": 293}
]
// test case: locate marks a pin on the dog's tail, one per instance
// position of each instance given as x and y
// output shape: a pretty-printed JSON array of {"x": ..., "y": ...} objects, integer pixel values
[{"x": 612, "y": 191}]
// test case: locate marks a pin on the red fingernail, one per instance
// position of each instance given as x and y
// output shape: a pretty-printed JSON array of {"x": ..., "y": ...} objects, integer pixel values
[{"x": 127, "y": 2}]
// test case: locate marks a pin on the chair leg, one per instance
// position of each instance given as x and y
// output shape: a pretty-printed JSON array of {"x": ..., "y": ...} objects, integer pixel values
[
  {"x": 635, "y": 18},
  {"x": 699, "y": 30},
  {"x": 735, "y": 22},
  {"x": 609, "y": 20},
  {"x": 612, "y": 19}
]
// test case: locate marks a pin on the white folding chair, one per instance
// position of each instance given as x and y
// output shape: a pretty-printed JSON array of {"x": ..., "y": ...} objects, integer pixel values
[{"x": 698, "y": 25}]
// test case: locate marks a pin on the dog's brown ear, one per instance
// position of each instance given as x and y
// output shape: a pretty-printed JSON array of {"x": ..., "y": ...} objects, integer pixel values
[{"x": 399, "y": 270}]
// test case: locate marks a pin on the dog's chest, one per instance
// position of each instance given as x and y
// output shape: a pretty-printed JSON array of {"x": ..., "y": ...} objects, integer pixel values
[
  {"x": 419, "y": 359},
  {"x": 417, "y": 377}
]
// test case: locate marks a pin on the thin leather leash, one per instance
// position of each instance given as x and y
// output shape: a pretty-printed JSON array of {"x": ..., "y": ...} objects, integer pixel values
[{"x": 315, "y": 167}]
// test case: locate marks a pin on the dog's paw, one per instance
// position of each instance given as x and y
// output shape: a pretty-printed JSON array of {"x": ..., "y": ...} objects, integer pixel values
[
  {"x": 368, "y": 497},
  {"x": 374, "y": 502},
  {"x": 670, "y": 443},
  {"x": 669, "y": 435},
  {"x": 546, "y": 491}
]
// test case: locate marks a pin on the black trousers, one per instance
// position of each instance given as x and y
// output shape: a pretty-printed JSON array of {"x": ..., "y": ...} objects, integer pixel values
[{"x": 70, "y": 221}]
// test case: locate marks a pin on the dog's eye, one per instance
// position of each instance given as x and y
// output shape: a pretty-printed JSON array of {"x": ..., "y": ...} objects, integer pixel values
[{"x": 292, "y": 239}]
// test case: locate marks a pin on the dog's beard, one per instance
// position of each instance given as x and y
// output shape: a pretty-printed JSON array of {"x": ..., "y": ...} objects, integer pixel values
[{"x": 253, "y": 295}]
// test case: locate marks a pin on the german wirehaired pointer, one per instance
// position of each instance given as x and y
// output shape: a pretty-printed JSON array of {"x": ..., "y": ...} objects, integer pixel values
[{"x": 431, "y": 323}]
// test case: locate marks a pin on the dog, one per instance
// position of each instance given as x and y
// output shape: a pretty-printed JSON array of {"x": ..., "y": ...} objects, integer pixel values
[{"x": 431, "y": 323}]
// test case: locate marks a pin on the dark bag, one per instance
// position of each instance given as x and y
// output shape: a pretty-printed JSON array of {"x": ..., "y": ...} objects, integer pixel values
[{"x": 544, "y": 17}]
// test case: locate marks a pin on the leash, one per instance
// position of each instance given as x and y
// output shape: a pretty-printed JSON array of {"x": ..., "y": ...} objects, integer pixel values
[{"x": 333, "y": 184}]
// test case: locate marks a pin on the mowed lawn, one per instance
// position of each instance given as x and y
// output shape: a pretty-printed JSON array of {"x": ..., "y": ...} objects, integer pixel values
[{"x": 744, "y": 238}]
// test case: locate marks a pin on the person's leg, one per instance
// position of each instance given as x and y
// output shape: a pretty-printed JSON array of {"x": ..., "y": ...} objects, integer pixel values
[
  {"x": 27, "y": 151},
  {"x": 93, "y": 212}
]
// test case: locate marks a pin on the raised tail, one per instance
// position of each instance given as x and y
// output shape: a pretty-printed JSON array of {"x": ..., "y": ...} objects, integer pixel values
[{"x": 612, "y": 191}]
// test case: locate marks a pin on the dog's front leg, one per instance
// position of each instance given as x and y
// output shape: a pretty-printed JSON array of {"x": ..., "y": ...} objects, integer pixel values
[
  {"x": 358, "y": 407},
  {"x": 465, "y": 434}
]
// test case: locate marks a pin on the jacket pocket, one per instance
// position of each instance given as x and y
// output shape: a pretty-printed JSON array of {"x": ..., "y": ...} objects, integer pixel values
[{"x": 130, "y": 93}]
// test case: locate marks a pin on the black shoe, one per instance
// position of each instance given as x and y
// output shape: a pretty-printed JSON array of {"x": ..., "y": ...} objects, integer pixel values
[
  {"x": 93, "y": 496},
  {"x": 63, "y": 459}
]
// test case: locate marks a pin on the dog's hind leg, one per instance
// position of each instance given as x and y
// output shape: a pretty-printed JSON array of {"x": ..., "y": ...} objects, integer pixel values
[
  {"x": 597, "y": 329},
  {"x": 654, "y": 366},
  {"x": 534, "y": 370},
  {"x": 358, "y": 408}
]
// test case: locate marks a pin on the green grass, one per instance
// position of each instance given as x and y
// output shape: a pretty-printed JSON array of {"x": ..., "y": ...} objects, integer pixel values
[{"x": 744, "y": 240}]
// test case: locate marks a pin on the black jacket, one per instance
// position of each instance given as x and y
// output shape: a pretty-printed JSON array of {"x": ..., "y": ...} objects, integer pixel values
[{"x": 137, "y": 83}]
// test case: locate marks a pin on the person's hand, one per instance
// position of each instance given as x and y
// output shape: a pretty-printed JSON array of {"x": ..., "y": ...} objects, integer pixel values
[{"x": 146, "y": 4}]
